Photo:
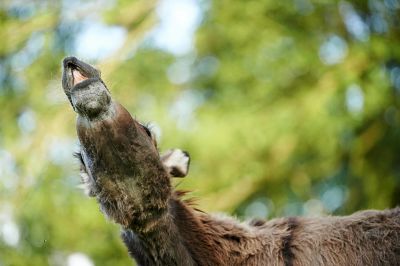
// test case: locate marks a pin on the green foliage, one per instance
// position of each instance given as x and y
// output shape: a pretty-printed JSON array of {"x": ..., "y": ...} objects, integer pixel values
[{"x": 289, "y": 108}]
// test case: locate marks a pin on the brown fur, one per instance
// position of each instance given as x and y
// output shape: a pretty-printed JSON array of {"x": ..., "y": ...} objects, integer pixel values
[{"x": 133, "y": 189}]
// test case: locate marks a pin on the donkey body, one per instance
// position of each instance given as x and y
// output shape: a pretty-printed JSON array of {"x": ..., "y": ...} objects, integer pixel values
[
  {"x": 364, "y": 238},
  {"x": 127, "y": 176}
]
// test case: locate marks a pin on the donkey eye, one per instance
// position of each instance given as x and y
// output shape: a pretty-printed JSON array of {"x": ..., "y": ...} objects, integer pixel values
[{"x": 147, "y": 131}]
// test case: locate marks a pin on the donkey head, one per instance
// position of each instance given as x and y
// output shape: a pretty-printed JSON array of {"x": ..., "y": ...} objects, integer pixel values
[{"x": 120, "y": 161}]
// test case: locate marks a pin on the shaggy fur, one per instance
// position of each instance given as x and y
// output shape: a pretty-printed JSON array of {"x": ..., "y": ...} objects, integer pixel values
[{"x": 131, "y": 184}]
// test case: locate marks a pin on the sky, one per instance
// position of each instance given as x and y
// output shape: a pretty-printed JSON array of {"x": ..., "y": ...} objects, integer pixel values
[{"x": 178, "y": 21}]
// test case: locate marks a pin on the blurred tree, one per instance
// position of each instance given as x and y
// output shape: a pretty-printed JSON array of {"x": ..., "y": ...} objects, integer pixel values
[
  {"x": 313, "y": 105},
  {"x": 44, "y": 218},
  {"x": 286, "y": 108}
]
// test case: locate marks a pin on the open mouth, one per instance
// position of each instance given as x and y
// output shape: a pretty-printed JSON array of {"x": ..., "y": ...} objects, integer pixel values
[
  {"x": 76, "y": 72},
  {"x": 77, "y": 76},
  {"x": 81, "y": 81}
]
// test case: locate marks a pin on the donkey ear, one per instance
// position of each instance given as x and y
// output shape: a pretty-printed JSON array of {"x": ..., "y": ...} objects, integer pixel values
[{"x": 176, "y": 161}]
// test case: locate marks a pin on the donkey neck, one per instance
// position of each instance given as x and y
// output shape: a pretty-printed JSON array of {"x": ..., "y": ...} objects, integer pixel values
[
  {"x": 176, "y": 238},
  {"x": 160, "y": 242}
]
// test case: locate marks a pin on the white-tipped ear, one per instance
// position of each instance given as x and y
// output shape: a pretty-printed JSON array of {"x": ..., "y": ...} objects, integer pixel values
[{"x": 176, "y": 162}]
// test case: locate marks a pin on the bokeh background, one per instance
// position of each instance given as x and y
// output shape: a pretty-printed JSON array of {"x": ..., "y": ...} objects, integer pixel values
[{"x": 286, "y": 107}]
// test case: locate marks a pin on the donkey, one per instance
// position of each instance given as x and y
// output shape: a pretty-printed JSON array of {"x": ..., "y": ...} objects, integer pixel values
[{"x": 132, "y": 185}]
